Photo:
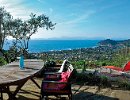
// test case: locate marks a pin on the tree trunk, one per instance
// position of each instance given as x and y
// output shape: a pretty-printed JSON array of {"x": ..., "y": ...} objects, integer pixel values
[{"x": 0, "y": 32}]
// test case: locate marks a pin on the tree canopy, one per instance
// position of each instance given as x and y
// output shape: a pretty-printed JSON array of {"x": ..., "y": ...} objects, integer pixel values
[{"x": 20, "y": 30}]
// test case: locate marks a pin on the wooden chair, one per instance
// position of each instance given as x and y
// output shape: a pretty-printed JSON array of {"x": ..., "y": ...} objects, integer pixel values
[
  {"x": 61, "y": 86},
  {"x": 54, "y": 67},
  {"x": 54, "y": 75}
]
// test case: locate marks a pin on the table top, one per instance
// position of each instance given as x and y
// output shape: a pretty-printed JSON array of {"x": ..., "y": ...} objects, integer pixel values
[{"x": 12, "y": 73}]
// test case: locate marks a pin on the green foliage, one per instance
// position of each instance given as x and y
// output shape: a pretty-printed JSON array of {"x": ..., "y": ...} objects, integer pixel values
[
  {"x": 81, "y": 78},
  {"x": 78, "y": 64},
  {"x": 2, "y": 61},
  {"x": 124, "y": 84},
  {"x": 50, "y": 64},
  {"x": 90, "y": 79},
  {"x": 104, "y": 81}
]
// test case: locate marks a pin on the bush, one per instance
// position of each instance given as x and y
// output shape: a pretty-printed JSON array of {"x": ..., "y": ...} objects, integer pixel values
[
  {"x": 47, "y": 64},
  {"x": 105, "y": 82},
  {"x": 2, "y": 61},
  {"x": 81, "y": 78},
  {"x": 89, "y": 79},
  {"x": 50, "y": 64},
  {"x": 124, "y": 84}
]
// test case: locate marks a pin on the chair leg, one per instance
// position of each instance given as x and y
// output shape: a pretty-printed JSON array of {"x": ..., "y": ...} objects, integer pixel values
[
  {"x": 44, "y": 97},
  {"x": 57, "y": 96},
  {"x": 70, "y": 96},
  {"x": 1, "y": 98}
]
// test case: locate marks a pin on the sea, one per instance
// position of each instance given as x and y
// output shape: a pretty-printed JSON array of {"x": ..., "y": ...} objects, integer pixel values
[{"x": 37, "y": 46}]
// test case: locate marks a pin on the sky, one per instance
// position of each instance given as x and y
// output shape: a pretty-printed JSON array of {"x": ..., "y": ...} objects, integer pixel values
[{"x": 76, "y": 19}]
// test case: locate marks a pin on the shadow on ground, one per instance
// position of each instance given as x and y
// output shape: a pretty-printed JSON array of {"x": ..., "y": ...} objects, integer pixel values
[
  {"x": 91, "y": 96},
  {"x": 78, "y": 95}
]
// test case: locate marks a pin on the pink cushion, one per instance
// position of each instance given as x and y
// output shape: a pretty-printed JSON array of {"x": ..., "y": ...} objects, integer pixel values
[{"x": 64, "y": 78}]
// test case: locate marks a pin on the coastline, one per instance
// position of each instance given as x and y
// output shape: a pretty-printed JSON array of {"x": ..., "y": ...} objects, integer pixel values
[
  {"x": 87, "y": 54},
  {"x": 60, "y": 45},
  {"x": 38, "y": 46}
]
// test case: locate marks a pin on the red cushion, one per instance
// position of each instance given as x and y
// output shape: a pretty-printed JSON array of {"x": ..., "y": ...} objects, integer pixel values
[{"x": 127, "y": 67}]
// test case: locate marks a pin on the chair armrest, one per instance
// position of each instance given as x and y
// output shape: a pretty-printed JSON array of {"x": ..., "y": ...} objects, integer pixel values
[{"x": 56, "y": 82}]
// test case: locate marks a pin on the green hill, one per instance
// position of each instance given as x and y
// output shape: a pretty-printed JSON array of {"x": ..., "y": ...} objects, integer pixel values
[{"x": 109, "y": 42}]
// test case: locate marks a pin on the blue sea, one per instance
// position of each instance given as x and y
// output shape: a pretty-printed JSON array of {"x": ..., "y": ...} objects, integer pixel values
[{"x": 52, "y": 45}]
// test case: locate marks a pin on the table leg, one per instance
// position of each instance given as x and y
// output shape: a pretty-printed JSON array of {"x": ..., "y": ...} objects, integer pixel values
[
  {"x": 12, "y": 95},
  {"x": 19, "y": 87},
  {"x": 1, "y": 98},
  {"x": 35, "y": 83}
]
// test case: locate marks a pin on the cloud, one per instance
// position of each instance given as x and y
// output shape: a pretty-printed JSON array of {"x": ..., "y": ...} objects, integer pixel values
[
  {"x": 73, "y": 19},
  {"x": 80, "y": 18},
  {"x": 51, "y": 10},
  {"x": 17, "y": 8},
  {"x": 40, "y": 0}
]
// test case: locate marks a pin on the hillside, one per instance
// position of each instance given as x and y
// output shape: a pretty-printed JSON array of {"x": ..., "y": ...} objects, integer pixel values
[{"x": 109, "y": 42}]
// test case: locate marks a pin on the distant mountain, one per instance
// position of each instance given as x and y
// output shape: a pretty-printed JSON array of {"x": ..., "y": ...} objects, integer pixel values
[
  {"x": 70, "y": 38},
  {"x": 109, "y": 42},
  {"x": 125, "y": 42}
]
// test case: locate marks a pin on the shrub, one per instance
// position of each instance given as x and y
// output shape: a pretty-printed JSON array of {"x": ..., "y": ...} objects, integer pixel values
[
  {"x": 47, "y": 64},
  {"x": 50, "y": 64},
  {"x": 2, "y": 61},
  {"x": 104, "y": 81},
  {"x": 81, "y": 78},
  {"x": 124, "y": 84}
]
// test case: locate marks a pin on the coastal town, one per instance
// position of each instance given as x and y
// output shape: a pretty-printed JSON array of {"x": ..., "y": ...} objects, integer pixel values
[{"x": 105, "y": 52}]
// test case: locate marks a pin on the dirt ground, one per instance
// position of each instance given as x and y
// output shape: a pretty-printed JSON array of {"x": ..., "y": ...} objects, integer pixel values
[{"x": 80, "y": 92}]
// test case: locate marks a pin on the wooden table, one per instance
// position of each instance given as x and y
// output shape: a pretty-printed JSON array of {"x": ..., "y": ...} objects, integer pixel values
[{"x": 11, "y": 74}]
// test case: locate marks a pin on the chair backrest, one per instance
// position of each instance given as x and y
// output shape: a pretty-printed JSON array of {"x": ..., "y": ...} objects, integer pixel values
[{"x": 127, "y": 67}]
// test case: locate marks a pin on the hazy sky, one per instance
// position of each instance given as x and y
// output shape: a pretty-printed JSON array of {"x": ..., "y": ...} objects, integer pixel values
[{"x": 85, "y": 19}]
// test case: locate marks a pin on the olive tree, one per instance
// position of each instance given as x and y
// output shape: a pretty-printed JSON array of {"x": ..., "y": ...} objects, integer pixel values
[
  {"x": 20, "y": 30},
  {"x": 23, "y": 30}
]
